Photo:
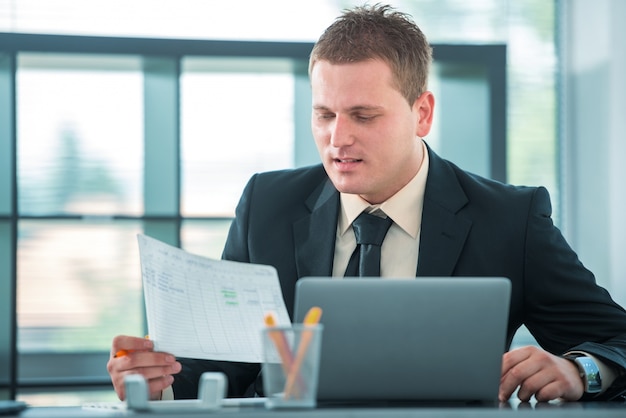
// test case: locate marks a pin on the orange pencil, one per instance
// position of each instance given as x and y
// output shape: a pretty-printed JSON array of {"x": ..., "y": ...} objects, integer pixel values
[
  {"x": 122, "y": 353},
  {"x": 280, "y": 342},
  {"x": 311, "y": 318}
]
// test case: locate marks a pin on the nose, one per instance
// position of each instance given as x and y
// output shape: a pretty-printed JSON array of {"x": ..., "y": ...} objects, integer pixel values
[{"x": 340, "y": 133}]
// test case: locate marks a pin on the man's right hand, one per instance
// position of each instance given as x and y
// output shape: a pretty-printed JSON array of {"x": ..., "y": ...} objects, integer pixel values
[{"x": 135, "y": 355}]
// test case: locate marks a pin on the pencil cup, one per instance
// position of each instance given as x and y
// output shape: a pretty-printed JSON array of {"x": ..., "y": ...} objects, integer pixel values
[{"x": 291, "y": 365}]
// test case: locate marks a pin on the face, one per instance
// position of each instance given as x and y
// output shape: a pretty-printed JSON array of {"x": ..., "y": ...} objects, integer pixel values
[{"x": 366, "y": 132}]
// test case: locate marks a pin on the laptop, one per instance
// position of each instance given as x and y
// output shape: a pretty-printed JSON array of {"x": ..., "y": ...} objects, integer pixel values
[{"x": 437, "y": 339}]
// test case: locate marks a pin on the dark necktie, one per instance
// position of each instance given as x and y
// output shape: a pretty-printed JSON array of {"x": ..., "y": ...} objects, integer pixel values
[{"x": 369, "y": 231}]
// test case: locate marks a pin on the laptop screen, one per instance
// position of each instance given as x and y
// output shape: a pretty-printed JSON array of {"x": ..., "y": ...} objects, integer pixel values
[{"x": 423, "y": 339}]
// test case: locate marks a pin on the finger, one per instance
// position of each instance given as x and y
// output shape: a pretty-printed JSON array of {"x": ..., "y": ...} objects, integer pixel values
[
  {"x": 534, "y": 384},
  {"x": 157, "y": 378},
  {"x": 516, "y": 374},
  {"x": 508, "y": 380},
  {"x": 507, "y": 387},
  {"x": 549, "y": 392},
  {"x": 117, "y": 379},
  {"x": 123, "y": 344},
  {"x": 158, "y": 384},
  {"x": 512, "y": 358},
  {"x": 149, "y": 364},
  {"x": 560, "y": 389},
  {"x": 143, "y": 359},
  {"x": 565, "y": 382},
  {"x": 516, "y": 377},
  {"x": 155, "y": 372}
]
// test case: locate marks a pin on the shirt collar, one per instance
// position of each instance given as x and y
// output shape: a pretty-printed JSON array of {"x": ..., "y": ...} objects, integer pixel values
[{"x": 404, "y": 207}]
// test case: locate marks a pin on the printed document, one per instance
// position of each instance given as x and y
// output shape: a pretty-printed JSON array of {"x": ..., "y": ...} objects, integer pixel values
[{"x": 204, "y": 308}]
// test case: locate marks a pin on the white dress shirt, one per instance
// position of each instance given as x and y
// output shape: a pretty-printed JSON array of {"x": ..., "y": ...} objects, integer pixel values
[{"x": 400, "y": 248}]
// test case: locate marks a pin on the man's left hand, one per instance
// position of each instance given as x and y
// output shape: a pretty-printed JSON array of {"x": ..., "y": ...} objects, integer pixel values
[{"x": 539, "y": 373}]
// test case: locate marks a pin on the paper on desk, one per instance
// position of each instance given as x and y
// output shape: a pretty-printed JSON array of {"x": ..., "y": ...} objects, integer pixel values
[{"x": 202, "y": 308}]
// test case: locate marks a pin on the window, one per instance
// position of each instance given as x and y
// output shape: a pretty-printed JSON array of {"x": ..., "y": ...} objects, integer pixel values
[
  {"x": 71, "y": 202},
  {"x": 109, "y": 146},
  {"x": 236, "y": 119},
  {"x": 77, "y": 160},
  {"x": 121, "y": 158}
]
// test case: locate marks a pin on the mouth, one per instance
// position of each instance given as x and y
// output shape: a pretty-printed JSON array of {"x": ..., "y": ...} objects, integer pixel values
[
  {"x": 346, "y": 165},
  {"x": 347, "y": 160}
]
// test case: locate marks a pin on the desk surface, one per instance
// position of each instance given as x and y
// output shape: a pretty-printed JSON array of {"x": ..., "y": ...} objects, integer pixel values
[{"x": 549, "y": 410}]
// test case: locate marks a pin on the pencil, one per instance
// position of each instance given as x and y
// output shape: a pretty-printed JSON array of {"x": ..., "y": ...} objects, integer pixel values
[
  {"x": 281, "y": 344},
  {"x": 122, "y": 352},
  {"x": 311, "y": 319}
]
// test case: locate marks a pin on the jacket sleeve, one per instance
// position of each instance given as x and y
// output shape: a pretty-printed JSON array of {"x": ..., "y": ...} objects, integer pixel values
[
  {"x": 236, "y": 247},
  {"x": 565, "y": 308}
]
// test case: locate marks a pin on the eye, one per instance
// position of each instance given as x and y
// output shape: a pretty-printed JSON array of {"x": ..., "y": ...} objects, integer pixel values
[
  {"x": 325, "y": 115},
  {"x": 364, "y": 118}
]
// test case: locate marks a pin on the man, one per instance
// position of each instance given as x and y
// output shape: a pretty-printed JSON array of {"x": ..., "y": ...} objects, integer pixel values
[{"x": 371, "y": 108}]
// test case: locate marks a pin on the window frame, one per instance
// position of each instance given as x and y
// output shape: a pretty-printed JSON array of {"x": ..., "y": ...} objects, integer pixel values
[{"x": 162, "y": 218}]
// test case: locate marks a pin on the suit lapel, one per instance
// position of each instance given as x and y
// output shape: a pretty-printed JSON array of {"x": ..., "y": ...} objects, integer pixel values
[
  {"x": 314, "y": 235},
  {"x": 444, "y": 229}
]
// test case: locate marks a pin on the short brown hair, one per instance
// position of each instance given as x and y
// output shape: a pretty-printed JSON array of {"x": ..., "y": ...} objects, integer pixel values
[{"x": 379, "y": 32}]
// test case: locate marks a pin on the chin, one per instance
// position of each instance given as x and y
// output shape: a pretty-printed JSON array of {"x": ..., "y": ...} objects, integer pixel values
[
  {"x": 345, "y": 188},
  {"x": 345, "y": 182}
]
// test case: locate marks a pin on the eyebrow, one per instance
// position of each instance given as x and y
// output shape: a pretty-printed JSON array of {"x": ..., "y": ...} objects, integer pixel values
[{"x": 352, "y": 109}]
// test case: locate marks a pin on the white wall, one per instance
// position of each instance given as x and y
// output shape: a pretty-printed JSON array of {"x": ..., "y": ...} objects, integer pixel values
[{"x": 594, "y": 136}]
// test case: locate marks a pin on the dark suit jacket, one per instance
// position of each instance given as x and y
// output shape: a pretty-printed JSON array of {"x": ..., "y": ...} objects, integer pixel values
[{"x": 471, "y": 226}]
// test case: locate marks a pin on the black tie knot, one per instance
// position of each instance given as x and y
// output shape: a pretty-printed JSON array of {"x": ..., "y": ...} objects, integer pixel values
[{"x": 370, "y": 229}]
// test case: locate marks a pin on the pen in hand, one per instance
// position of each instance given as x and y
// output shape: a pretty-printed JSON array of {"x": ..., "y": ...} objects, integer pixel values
[{"x": 122, "y": 352}]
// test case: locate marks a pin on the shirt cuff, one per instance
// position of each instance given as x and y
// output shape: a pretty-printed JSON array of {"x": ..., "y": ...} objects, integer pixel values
[{"x": 167, "y": 394}]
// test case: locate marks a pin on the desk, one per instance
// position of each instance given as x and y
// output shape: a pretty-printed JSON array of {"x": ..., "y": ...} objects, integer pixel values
[{"x": 561, "y": 410}]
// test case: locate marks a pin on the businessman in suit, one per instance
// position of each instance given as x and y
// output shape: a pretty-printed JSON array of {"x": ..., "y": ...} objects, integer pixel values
[{"x": 371, "y": 109}]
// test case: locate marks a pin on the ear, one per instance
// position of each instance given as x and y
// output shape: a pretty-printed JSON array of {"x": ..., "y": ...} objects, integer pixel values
[{"x": 425, "y": 107}]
